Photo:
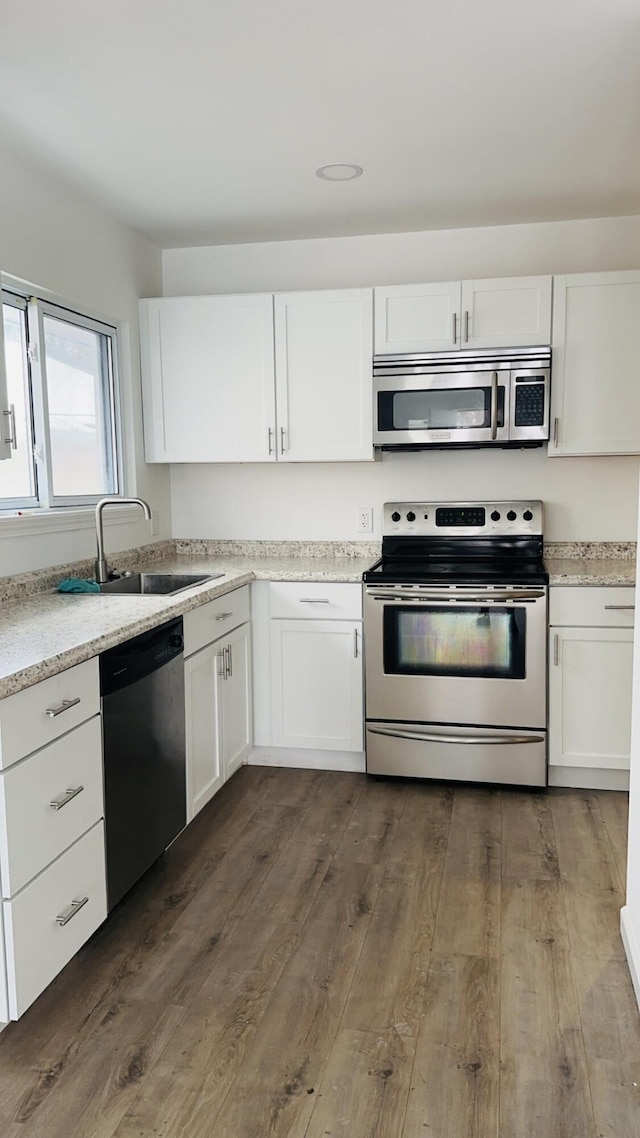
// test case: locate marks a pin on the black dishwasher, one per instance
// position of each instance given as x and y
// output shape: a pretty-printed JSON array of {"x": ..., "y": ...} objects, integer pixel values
[{"x": 143, "y": 727}]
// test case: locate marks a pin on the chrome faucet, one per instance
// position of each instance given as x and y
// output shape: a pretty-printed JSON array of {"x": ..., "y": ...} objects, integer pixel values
[{"x": 101, "y": 567}]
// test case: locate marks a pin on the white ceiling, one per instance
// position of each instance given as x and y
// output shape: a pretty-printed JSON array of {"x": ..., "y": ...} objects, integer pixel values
[{"x": 203, "y": 121}]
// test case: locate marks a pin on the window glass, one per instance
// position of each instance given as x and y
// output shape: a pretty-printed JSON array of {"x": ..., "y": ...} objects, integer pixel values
[{"x": 17, "y": 474}]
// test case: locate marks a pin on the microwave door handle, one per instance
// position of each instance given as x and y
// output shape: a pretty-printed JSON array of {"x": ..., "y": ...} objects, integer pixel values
[{"x": 494, "y": 404}]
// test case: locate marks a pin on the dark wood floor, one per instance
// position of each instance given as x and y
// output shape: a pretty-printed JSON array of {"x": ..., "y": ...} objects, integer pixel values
[{"x": 322, "y": 955}]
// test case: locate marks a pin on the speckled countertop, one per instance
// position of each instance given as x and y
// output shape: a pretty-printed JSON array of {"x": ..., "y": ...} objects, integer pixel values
[{"x": 43, "y": 632}]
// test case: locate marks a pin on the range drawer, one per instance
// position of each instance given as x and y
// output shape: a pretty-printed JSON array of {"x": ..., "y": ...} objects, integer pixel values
[
  {"x": 205, "y": 624},
  {"x": 295, "y": 600},
  {"x": 47, "y": 802},
  {"x": 37, "y": 715},
  {"x": 38, "y": 943},
  {"x": 592, "y": 606}
]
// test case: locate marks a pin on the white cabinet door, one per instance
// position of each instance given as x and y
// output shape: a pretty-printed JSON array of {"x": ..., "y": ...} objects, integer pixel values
[
  {"x": 590, "y": 684},
  {"x": 5, "y": 416},
  {"x": 595, "y": 393},
  {"x": 203, "y": 683},
  {"x": 506, "y": 312},
  {"x": 417, "y": 318},
  {"x": 317, "y": 684},
  {"x": 236, "y": 693},
  {"x": 208, "y": 378},
  {"x": 323, "y": 375}
]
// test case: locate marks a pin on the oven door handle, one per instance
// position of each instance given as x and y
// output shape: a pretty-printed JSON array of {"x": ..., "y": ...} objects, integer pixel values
[
  {"x": 494, "y": 404},
  {"x": 471, "y": 740},
  {"x": 508, "y": 595}
]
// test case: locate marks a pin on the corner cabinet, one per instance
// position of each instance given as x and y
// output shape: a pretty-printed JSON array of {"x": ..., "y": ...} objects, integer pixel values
[
  {"x": 448, "y": 316},
  {"x": 217, "y": 694},
  {"x": 595, "y": 394},
  {"x": 590, "y": 685},
  {"x": 258, "y": 378}
]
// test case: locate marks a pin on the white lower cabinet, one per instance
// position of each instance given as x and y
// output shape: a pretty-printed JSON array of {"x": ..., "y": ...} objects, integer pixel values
[
  {"x": 218, "y": 698},
  {"x": 590, "y": 686},
  {"x": 52, "y": 849},
  {"x": 308, "y": 648}
]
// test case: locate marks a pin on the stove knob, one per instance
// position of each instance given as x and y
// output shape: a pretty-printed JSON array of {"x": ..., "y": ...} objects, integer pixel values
[
  {"x": 511, "y": 516},
  {"x": 411, "y": 517},
  {"x": 395, "y": 517},
  {"x": 495, "y": 515},
  {"x": 528, "y": 516}
]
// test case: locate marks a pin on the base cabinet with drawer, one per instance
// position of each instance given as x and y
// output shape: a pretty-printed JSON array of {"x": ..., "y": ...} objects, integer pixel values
[
  {"x": 310, "y": 646},
  {"x": 590, "y": 686},
  {"x": 52, "y": 850},
  {"x": 217, "y": 694}
]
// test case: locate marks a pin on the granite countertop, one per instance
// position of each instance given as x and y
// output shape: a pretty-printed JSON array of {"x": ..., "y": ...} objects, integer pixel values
[
  {"x": 46, "y": 633},
  {"x": 590, "y": 571}
]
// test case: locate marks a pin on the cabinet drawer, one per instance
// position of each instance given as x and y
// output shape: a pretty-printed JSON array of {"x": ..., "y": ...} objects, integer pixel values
[
  {"x": 592, "y": 606},
  {"x": 214, "y": 619},
  {"x": 37, "y": 945},
  {"x": 32, "y": 831},
  {"x": 315, "y": 601},
  {"x": 37, "y": 715}
]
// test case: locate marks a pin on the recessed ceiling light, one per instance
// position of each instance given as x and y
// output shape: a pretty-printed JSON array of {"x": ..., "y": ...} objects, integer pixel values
[{"x": 339, "y": 172}]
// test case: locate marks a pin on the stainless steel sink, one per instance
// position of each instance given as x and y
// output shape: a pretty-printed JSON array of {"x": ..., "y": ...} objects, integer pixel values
[{"x": 156, "y": 584}]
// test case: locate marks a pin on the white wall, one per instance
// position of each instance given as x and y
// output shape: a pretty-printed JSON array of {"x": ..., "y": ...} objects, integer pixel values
[
  {"x": 54, "y": 238},
  {"x": 586, "y": 499},
  {"x": 630, "y": 923}
]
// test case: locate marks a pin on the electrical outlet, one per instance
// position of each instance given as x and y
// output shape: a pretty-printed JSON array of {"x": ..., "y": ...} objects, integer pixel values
[
  {"x": 364, "y": 523},
  {"x": 155, "y": 523}
]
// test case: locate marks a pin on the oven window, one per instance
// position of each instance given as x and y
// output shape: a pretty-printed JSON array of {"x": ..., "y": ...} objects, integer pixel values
[
  {"x": 447, "y": 409},
  {"x": 482, "y": 642}
]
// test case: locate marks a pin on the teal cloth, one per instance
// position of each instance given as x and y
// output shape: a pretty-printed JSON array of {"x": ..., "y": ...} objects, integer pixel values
[{"x": 78, "y": 585}]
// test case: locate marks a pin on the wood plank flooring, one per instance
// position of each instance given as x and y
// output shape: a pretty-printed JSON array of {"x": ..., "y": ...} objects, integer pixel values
[{"x": 322, "y": 955}]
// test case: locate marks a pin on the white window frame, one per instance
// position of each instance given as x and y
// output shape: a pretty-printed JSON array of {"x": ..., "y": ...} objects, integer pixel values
[{"x": 37, "y": 305}]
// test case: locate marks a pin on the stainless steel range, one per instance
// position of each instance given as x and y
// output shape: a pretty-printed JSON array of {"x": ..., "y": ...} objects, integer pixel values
[{"x": 456, "y": 643}]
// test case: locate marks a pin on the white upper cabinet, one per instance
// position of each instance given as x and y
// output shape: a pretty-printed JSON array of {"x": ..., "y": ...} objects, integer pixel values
[
  {"x": 417, "y": 318},
  {"x": 595, "y": 394},
  {"x": 506, "y": 312},
  {"x": 324, "y": 345},
  {"x": 207, "y": 368}
]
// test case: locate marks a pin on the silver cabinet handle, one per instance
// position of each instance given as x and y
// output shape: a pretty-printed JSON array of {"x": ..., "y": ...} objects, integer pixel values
[
  {"x": 64, "y": 706},
  {"x": 466, "y": 327},
  {"x": 270, "y": 435},
  {"x": 229, "y": 670},
  {"x": 620, "y": 608},
  {"x": 223, "y": 616},
  {"x": 433, "y": 737},
  {"x": 494, "y": 405},
  {"x": 69, "y": 794},
  {"x": 355, "y": 643},
  {"x": 221, "y": 663},
  {"x": 75, "y": 907},
  {"x": 314, "y": 601},
  {"x": 12, "y": 437},
  {"x": 556, "y": 431},
  {"x": 282, "y": 446},
  {"x": 455, "y": 327},
  {"x": 556, "y": 649}
]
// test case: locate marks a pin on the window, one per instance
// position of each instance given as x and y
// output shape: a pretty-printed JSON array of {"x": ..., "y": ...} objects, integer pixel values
[{"x": 61, "y": 373}]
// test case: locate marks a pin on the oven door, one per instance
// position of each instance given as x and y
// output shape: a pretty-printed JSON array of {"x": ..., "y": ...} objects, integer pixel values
[
  {"x": 471, "y": 655},
  {"x": 466, "y": 407}
]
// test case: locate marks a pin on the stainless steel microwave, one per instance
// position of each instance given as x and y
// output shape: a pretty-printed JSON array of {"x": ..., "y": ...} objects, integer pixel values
[{"x": 496, "y": 397}]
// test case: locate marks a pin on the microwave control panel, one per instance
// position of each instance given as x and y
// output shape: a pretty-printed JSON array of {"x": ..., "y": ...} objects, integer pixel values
[{"x": 529, "y": 402}]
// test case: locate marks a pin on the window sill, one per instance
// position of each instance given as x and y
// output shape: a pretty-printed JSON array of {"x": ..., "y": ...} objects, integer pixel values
[{"x": 71, "y": 518}]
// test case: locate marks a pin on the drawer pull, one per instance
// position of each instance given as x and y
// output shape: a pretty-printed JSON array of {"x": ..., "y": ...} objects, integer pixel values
[
  {"x": 223, "y": 616},
  {"x": 64, "y": 706},
  {"x": 621, "y": 608},
  {"x": 69, "y": 794},
  {"x": 315, "y": 601},
  {"x": 70, "y": 911}
]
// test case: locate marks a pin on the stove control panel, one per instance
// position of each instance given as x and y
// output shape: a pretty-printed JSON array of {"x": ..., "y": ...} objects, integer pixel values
[{"x": 461, "y": 519}]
